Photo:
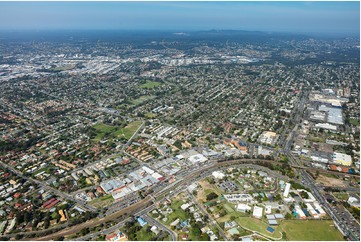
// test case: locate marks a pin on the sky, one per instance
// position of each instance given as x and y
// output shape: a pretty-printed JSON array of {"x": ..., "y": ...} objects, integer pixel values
[{"x": 303, "y": 17}]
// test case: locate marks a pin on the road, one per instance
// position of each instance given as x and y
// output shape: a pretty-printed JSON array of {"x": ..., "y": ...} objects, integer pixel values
[
  {"x": 212, "y": 221},
  {"x": 152, "y": 221},
  {"x": 316, "y": 190},
  {"x": 200, "y": 173}
]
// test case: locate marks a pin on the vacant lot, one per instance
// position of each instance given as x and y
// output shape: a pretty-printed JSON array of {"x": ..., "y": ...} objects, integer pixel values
[
  {"x": 206, "y": 189},
  {"x": 102, "y": 201},
  {"x": 329, "y": 181},
  {"x": 103, "y": 130},
  {"x": 341, "y": 196},
  {"x": 129, "y": 130}
]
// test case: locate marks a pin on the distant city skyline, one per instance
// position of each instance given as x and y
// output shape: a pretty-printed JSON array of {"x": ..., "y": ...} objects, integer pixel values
[{"x": 302, "y": 17}]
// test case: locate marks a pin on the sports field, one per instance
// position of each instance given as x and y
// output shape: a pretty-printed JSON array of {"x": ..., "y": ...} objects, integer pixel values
[
  {"x": 108, "y": 131},
  {"x": 295, "y": 229},
  {"x": 311, "y": 230},
  {"x": 150, "y": 85},
  {"x": 260, "y": 226}
]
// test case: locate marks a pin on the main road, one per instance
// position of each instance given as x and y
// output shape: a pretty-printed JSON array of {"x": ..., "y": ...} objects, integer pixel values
[
  {"x": 308, "y": 180},
  {"x": 147, "y": 201}
]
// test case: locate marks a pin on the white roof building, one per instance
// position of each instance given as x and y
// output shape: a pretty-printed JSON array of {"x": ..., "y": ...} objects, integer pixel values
[
  {"x": 197, "y": 158},
  {"x": 257, "y": 212},
  {"x": 241, "y": 207},
  {"x": 319, "y": 209},
  {"x": 326, "y": 126},
  {"x": 353, "y": 201},
  {"x": 218, "y": 174},
  {"x": 268, "y": 209},
  {"x": 147, "y": 170},
  {"x": 312, "y": 211},
  {"x": 287, "y": 190},
  {"x": 154, "y": 229},
  {"x": 299, "y": 212},
  {"x": 157, "y": 176},
  {"x": 175, "y": 222},
  {"x": 185, "y": 206}
]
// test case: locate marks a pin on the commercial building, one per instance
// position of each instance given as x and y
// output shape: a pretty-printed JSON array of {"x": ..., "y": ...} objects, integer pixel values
[
  {"x": 342, "y": 159},
  {"x": 326, "y": 126},
  {"x": 197, "y": 158},
  {"x": 268, "y": 137},
  {"x": 334, "y": 115}
]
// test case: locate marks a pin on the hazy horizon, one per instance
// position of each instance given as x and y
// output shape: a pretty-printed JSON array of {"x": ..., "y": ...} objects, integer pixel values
[{"x": 320, "y": 18}]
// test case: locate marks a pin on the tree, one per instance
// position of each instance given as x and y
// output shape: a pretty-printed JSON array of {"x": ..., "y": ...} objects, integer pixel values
[
  {"x": 288, "y": 216},
  {"x": 211, "y": 196}
]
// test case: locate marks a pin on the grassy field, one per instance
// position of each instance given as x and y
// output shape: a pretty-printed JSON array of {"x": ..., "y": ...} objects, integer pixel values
[
  {"x": 341, "y": 195},
  {"x": 129, "y": 130},
  {"x": 108, "y": 131},
  {"x": 150, "y": 115},
  {"x": 102, "y": 130},
  {"x": 141, "y": 99},
  {"x": 177, "y": 212},
  {"x": 354, "y": 122},
  {"x": 228, "y": 208},
  {"x": 260, "y": 226},
  {"x": 295, "y": 229},
  {"x": 143, "y": 235},
  {"x": 207, "y": 188},
  {"x": 150, "y": 85},
  {"x": 311, "y": 230},
  {"x": 102, "y": 201}
]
